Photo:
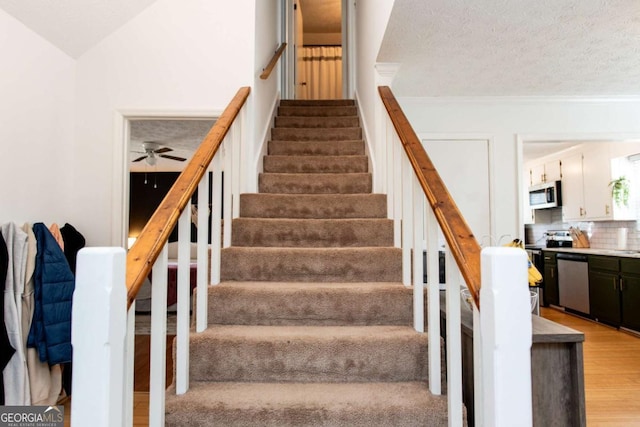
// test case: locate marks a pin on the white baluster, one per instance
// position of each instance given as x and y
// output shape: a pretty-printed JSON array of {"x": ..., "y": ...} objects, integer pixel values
[
  {"x": 158, "y": 348},
  {"x": 130, "y": 351},
  {"x": 228, "y": 190},
  {"x": 203, "y": 262},
  {"x": 184, "y": 292},
  {"x": 397, "y": 186},
  {"x": 407, "y": 220},
  {"x": 433, "y": 300},
  {"x": 454, "y": 342},
  {"x": 216, "y": 218},
  {"x": 418, "y": 248}
]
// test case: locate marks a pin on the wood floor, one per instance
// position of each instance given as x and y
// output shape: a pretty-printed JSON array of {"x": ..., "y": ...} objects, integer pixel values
[{"x": 611, "y": 369}]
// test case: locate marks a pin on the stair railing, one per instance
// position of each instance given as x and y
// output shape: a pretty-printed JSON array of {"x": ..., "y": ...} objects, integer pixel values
[
  {"x": 502, "y": 328},
  {"x": 266, "y": 72},
  {"x": 109, "y": 279}
]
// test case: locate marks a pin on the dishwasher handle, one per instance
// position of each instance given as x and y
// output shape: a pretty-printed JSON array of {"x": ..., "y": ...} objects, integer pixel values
[{"x": 572, "y": 257}]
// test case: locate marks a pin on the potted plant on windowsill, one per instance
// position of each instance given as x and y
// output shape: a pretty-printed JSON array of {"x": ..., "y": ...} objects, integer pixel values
[{"x": 620, "y": 191}]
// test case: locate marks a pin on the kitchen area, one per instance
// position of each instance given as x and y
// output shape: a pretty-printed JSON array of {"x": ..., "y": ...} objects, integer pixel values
[{"x": 582, "y": 227}]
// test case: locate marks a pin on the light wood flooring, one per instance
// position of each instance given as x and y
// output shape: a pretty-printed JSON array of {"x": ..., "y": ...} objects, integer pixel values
[{"x": 611, "y": 370}]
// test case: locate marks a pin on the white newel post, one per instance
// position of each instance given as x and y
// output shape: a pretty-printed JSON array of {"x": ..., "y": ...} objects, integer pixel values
[
  {"x": 99, "y": 322},
  {"x": 505, "y": 320}
]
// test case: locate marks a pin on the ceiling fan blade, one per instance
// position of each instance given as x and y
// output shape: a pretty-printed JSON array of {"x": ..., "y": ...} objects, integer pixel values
[
  {"x": 139, "y": 159},
  {"x": 163, "y": 150},
  {"x": 180, "y": 159}
]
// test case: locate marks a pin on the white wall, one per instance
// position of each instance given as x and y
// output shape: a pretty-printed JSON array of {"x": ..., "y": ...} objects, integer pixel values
[
  {"x": 267, "y": 40},
  {"x": 503, "y": 120},
  {"x": 371, "y": 21},
  {"x": 175, "y": 56},
  {"x": 36, "y": 127}
]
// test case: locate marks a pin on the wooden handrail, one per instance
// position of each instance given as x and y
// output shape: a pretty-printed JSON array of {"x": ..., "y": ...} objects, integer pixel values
[
  {"x": 463, "y": 244},
  {"x": 146, "y": 249},
  {"x": 269, "y": 68}
]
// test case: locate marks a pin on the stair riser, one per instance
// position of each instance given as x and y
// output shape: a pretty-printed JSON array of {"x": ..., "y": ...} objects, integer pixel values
[
  {"x": 325, "y": 134},
  {"x": 315, "y": 164},
  {"x": 330, "y": 305},
  {"x": 351, "y": 183},
  {"x": 311, "y": 233},
  {"x": 306, "y": 405},
  {"x": 319, "y": 148},
  {"x": 313, "y": 206},
  {"x": 316, "y": 122},
  {"x": 312, "y": 265},
  {"x": 316, "y": 103},
  {"x": 309, "y": 358},
  {"x": 317, "y": 111}
]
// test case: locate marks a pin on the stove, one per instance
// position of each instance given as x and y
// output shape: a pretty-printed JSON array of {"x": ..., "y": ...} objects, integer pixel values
[{"x": 559, "y": 239}]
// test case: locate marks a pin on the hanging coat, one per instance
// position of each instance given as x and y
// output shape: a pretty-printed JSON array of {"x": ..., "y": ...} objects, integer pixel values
[
  {"x": 54, "y": 283},
  {"x": 16, "y": 381},
  {"x": 6, "y": 351},
  {"x": 44, "y": 383}
]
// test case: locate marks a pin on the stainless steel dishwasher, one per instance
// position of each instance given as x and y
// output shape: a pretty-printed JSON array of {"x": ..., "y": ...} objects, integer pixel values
[{"x": 573, "y": 281}]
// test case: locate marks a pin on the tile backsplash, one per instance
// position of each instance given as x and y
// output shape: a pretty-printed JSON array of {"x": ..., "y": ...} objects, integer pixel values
[{"x": 603, "y": 234}]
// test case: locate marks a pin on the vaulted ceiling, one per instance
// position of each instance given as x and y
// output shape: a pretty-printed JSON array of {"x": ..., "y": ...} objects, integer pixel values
[{"x": 74, "y": 26}]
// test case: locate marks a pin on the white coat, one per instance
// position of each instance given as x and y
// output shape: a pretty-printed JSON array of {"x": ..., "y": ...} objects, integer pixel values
[{"x": 16, "y": 379}]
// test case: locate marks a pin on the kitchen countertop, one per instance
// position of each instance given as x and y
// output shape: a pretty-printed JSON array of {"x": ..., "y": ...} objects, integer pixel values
[{"x": 595, "y": 251}]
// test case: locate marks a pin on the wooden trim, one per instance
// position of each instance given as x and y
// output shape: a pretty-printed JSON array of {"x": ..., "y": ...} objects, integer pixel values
[
  {"x": 145, "y": 251},
  {"x": 270, "y": 66},
  {"x": 464, "y": 246}
]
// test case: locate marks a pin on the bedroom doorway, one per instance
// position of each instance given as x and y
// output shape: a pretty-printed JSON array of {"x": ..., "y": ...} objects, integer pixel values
[{"x": 318, "y": 66}]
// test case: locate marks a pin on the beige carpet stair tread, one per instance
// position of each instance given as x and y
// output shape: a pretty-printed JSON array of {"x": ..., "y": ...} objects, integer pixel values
[
  {"x": 315, "y": 164},
  {"x": 319, "y": 134},
  {"x": 323, "y": 148},
  {"x": 312, "y": 264},
  {"x": 317, "y": 111},
  {"x": 315, "y": 183},
  {"x": 287, "y": 232},
  {"x": 279, "y": 405},
  {"x": 254, "y": 205},
  {"x": 314, "y": 304},
  {"x": 308, "y": 354},
  {"x": 316, "y": 103},
  {"x": 317, "y": 122}
]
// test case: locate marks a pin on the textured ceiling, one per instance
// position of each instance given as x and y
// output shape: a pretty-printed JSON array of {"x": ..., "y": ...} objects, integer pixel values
[
  {"x": 514, "y": 47},
  {"x": 74, "y": 26},
  {"x": 321, "y": 16},
  {"x": 183, "y": 136}
]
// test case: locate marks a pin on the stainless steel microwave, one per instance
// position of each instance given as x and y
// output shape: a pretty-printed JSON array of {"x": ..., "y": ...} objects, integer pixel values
[{"x": 545, "y": 195}]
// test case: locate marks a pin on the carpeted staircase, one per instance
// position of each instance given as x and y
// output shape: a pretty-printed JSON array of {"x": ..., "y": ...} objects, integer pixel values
[{"x": 311, "y": 325}]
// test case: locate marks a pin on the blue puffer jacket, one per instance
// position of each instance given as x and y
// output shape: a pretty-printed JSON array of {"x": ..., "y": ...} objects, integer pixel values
[{"x": 54, "y": 283}]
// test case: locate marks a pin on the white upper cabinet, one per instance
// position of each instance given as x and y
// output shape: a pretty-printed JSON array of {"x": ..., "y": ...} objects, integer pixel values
[
  {"x": 572, "y": 188},
  {"x": 548, "y": 171},
  {"x": 586, "y": 189}
]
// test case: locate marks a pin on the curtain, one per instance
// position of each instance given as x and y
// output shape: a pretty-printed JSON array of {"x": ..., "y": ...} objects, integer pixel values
[{"x": 321, "y": 69}]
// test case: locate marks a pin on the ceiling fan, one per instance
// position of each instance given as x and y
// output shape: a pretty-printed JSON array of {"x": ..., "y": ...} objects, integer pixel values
[{"x": 153, "y": 150}]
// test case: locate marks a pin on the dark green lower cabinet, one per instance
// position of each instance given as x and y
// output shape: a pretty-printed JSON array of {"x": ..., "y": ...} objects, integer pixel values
[
  {"x": 550, "y": 292},
  {"x": 604, "y": 297},
  {"x": 630, "y": 301}
]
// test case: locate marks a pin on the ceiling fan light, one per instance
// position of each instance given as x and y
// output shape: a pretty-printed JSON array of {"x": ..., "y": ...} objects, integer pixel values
[{"x": 152, "y": 159}]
